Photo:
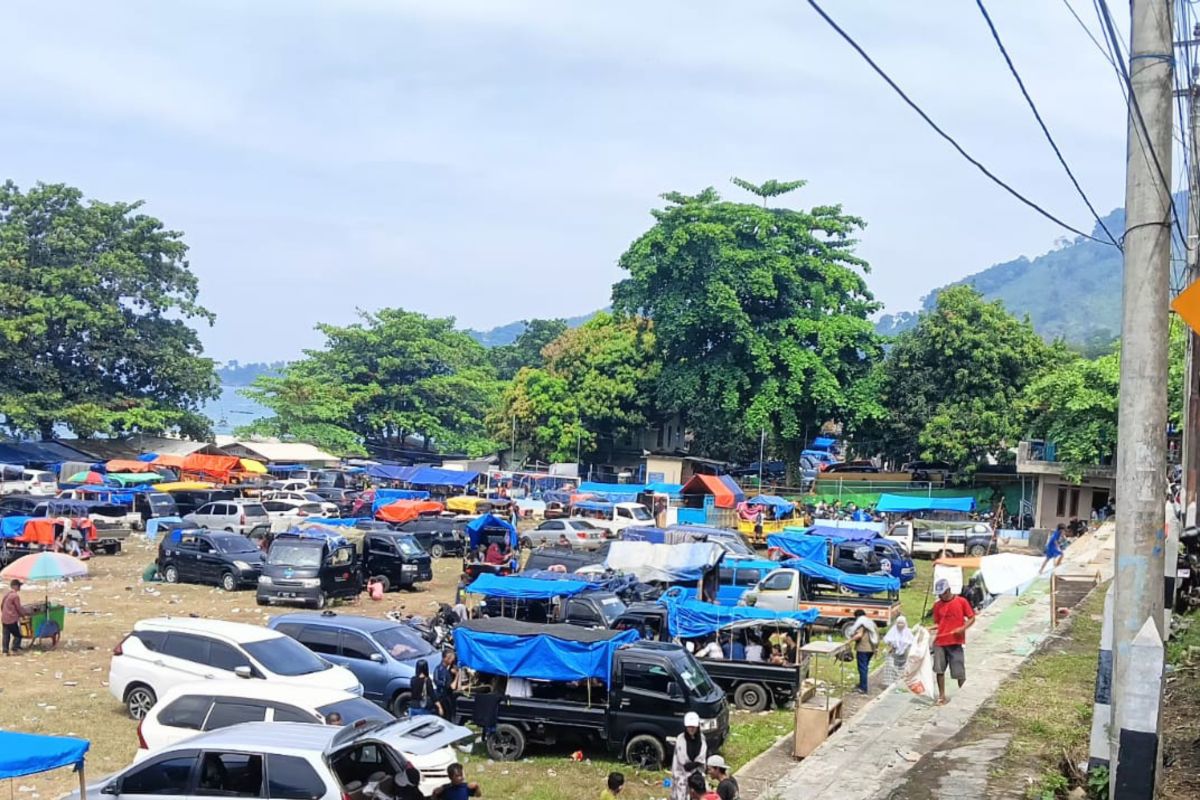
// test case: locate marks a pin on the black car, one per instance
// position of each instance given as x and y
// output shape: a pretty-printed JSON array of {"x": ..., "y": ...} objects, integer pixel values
[
  {"x": 20, "y": 505},
  {"x": 154, "y": 504},
  {"x": 195, "y": 555},
  {"x": 189, "y": 500},
  {"x": 342, "y": 498},
  {"x": 395, "y": 559},
  {"x": 857, "y": 558},
  {"x": 439, "y": 536}
]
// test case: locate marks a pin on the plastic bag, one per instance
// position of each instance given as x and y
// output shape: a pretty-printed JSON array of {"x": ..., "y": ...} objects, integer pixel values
[{"x": 918, "y": 669}]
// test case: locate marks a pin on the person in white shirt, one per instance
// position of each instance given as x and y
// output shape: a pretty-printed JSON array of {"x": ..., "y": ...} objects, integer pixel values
[
  {"x": 711, "y": 650},
  {"x": 754, "y": 651}
]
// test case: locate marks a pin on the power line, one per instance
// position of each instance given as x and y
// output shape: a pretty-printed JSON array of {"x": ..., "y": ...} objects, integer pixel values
[
  {"x": 1104, "y": 52},
  {"x": 950, "y": 139},
  {"x": 1041, "y": 122}
]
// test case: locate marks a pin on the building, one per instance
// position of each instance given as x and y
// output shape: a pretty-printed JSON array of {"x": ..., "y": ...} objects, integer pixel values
[
  {"x": 274, "y": 452},
  {"x": 1057, "y": 497}
]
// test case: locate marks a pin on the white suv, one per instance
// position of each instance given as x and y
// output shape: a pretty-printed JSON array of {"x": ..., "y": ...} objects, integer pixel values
[
  {"x": 166, "y": 651},
  {"x": 192, "y": 708},
  {"x": 239, "y": 516},
  {"x": 285, "y": 761}
]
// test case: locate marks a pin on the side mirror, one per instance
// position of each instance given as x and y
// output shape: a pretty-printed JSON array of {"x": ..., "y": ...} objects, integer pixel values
[
  {"x": 243, "y": 672},
  {"x": 377, "y": 658},
  {"x": 673, "y": 691},
  {"x": 113, "y": 787}
]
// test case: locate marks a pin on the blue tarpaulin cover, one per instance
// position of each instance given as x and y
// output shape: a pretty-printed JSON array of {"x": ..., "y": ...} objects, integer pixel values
[
  {"x": 477, "y": 526},
  {"x": 863, "y": 584},
  {"x": 845, "y": 534},
  {"x": 391, "y": 472},
  {"x": 13, "y": 527},
  {"x": 593, "y": 505},
  {"x": 689, "y": 618},
  {"x": 385, "y": 496},
  {"x": 801, "y": 545},
  {"x": 780, "y": 505},
  {"x": 331, "y": 522},
  {"x": 524, "y": 588},
  {"x": 540, "y": 652},
  {"x": 434, "y": 476},
  {"x": 823, "y": 443},
  {"x": 639, "y": 533},
  {"x": 28, "y": 754},
  {"x": 900, "y": 503}
]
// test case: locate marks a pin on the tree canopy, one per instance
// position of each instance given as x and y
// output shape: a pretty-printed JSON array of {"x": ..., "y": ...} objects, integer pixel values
[
  {"x": 96, "y": 301},
  {"x": 526, "y": 351},
  {"x": 761, "y": 315}
]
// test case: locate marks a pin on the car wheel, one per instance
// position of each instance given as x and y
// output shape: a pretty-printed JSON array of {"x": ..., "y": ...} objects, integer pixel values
[
  {"x": 846, "y": 628},
  {"x": 527, "y": 543},
  {"x": 400, "y": 703},
  {"x": 977, "y": 550},
  {"x": 170, "y": 573},
  {"x": 229, "y": 529},
  {"x": 645, "y": 752},
  {"x": 506, "y": 743},
  {"x": 437, "y": 551},
  {"x": 321, "y": 600},
  {"x": 139, "y": 700},
  {"x": 262, "y": 601},
  {"x": 751, "y": 697},
  {"x": 229, "y": 582}
]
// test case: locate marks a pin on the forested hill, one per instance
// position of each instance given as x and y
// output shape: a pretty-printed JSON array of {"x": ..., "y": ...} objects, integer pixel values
[
  {"x": 507, "y": 334},
  {"x": 234, "y": 373}
]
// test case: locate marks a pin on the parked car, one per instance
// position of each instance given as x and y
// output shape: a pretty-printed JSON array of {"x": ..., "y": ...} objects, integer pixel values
[
  {"x": 198, "y": 556},
  {"x": 286, "y": 514},
  {"x": 580, "y": 533},
  {"x": 382, "y": 654},
  {"x": 290, "y": 485},
  {"x": 165, "y": 651},
  {"x": 149, "y": 505},
  {"x": 39, "y": 482},
  {"x": 328, "y": 508},
  {"x": 235, "y": 516},
  {"x": 439, "y": 536},
  {"x": 342, "y": 498},
  {"x": 283, "y": 760},
  {"x": 189, "y": 500}
]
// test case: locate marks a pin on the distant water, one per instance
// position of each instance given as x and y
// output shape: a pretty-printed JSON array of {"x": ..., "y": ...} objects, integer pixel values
[{"x": 230, "y": 410}]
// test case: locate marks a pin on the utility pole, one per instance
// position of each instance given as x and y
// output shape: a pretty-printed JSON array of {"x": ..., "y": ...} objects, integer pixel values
[
  {"x": 1190, "y": 454},
  {"x": 1142, "y": 423}
]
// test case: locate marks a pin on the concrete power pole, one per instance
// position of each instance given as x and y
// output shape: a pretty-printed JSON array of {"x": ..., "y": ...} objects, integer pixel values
[
  {"x": 1190, "y": 453},
  {"x": 1142, "y": 424}
]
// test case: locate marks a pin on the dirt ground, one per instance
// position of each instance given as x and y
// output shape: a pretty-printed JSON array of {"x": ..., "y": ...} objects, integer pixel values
[{"x": 1181, "y": 717}]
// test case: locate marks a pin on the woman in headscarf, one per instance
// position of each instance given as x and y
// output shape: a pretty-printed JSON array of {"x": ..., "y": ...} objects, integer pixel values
[
  {"x": 899, "y": 640},
  {"x": 691, "y": 753}
]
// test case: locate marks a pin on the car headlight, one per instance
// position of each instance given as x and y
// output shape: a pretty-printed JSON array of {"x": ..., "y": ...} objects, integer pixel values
[
  {"x": 264, "y": 580},
  {"x": 708, "y": 725},
  {"x": 243, "y": 566}
]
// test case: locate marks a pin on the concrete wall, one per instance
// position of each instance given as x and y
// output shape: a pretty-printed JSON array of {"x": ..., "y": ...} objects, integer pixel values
[{"x": 1057, "y": 499}]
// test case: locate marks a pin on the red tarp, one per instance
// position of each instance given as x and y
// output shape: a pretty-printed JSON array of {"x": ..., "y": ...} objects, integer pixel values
[
  {"x": 714, "y": 485},
  {"x": 217, "y": 466},
  {"x": 169, "y": 460},
  {"x": 407, "y": 510}
]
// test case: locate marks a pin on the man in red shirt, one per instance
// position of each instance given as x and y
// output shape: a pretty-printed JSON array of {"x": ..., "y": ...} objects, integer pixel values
[
  {"x": 11, "y": 612},
  {"x": 952, "y": 615}
]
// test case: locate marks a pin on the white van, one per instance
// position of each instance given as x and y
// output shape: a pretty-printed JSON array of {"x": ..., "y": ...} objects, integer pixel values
[
  {"x": 614, "y": 517},
  {"x": 39, "y": 482}
]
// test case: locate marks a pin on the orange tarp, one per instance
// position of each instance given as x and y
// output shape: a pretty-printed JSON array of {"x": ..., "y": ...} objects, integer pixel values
[
  {"x": 169, "y": 460},
  {"x": 710, "y": 484},
  {"x": 41, "y": 530},
  {"x": 407, "y": 510},
  {"x": 127, "y": 465},
  {"x": 217, "y": 466}
]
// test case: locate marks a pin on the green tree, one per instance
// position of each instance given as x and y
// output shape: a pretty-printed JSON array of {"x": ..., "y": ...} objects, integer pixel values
[
  {"x": 526, "y": 351},
  {"x": 393, "y": 375},
  {"x": 951, "y": 385},
  {"x": 95, "y": 305},
  {"x": 761, "y": 316}
]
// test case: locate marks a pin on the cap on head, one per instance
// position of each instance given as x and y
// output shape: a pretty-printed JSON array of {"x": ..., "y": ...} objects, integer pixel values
[
  {"x": 941, "y": 586},
  {"x": 716, "y": 762},
  {"x": 691, "y": 720}
]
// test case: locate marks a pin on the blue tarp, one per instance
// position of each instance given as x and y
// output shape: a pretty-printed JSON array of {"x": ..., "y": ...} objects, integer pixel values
[
  {"x": 688, "y": 618},
  {"x": 28, "y": 754},
  {"x": 332, "y": 522},
  {"x": 845, "y": 534},
  {"x": 155, "y": 523},
  {"x": 386, "y": 496},
  {"x": 525, "y": 588},
  {"x": 13, "y": 527},
  {"x": 476, "y": 527},
  {"x": 32, "y": 454},
  {"x": 801, "y": 545},
  {"x": 539, "y": 652},
  {"x": 673, "y": 489},
  {"x": 644, "y": 534},
  {"x": 391, "y": 472},
  {"x": 557, "y": 496},
  {"x": 627, "y": 492},
  {"x": 433, "y": 476},
  {"x": 147, "y": 457},
  {"x": 863, "y": 584},
  {"x": 900, "y": 503},
  {"x": 592, "y": 505},
  {"x": 823, "y": 443},
  {"x": 780, "y": 506}
]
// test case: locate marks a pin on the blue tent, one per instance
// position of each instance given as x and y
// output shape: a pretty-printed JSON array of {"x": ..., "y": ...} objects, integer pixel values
[
  {"x": 780, "y": 506},
  {"x": 688, "y": 618},
  {"x": 823, "y": 443},
  {"x": 901, "y": 503},
  {"x": 385, "y": 496},
  {"x": 331, "y": 522},
  {"x": 434, "y": 476},
  {"x": 845, "y": 534},
  {"x": 647, "y": 533},
  {"x": 863, "y": 584},
  {"x": 801, "y": 545},
  {"x": 524, "y": 588},
  {"x": 477, "y": 526},
  {"x": 27, "y": 754},
  {"x": 593, "y": 505},
  {"x": 391, "y": 472},
  {"x": 501, "y": 646}
]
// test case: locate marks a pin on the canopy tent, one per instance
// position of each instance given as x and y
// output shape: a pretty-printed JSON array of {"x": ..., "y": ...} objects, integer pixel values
[
  {"x": 832, "y": 532},
  {"x": 434, "y": 476},
  {"x": 780, "y": 506},
  {"x": 669, "y": 563},
  {"x": 502, "y": 646},
  {"x": 385, "y": 496},
  {"x": 217, "y": 467},
  {"x": 93, "y": 478},
  {"x": 401, "y": 511},
  {"x": 524, "y": 588},
  {"x": 252, "y": 466},
  {"x": 390, "y": 472},
  {"x": 28, "y": 754},
  {"x": 477, "y": 528},
  {"x": 900, "y": 504},
  {"x": 863, "y": 584},
  {"x": 127, "y": 465},
  {"x": 725, "y": 491},
  {"x": 172, "y": 460},
  {"x": 688, "y": 618},
  {"x": 800, "y": 545},
  {"x": 824, "y": 443},
  {"x": 134, "y": 478},
  {"x": 184, "y": 486}
]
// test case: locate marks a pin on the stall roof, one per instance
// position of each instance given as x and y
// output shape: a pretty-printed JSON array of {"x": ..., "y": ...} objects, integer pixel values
[
  {"x": 524, "y": 588},
  {"x": 281, "y": 452},
  {"x": 780, "y": 505},
  {"x": 691, "y": 618},
  {"x": 863, "y": 584},
  {"x": 28, "y": 754},
  {"x": 476, "y": 527},
  {"x": 391, "y": 472},
  {"x": 726, "y": 491},
  {"x": 434, "y": 476},
  {"x": 37, "y": 453},
  {"x": 668, "y": 563},
  {"x": 800, "y": 545},
  {"x": 900, "y": 503},
  {"x": 503, "y": 646},
  {"x": 832, "y": 532},
  {"x": 385, "y": 496}
]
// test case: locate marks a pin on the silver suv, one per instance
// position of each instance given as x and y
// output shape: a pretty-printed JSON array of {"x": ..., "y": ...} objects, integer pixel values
[{"x": 235, "y": 516}]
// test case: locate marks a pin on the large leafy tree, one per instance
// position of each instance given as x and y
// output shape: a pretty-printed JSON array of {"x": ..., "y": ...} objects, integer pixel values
[
  {"x": 761, "y": 315},
  {"x": 393, "y": 375},
  {"x": 951, "y": 385},
  {"x": 96, "y": 301},
  {"x": 526, "y": 351},
  {"x": 597, "y": 385}
]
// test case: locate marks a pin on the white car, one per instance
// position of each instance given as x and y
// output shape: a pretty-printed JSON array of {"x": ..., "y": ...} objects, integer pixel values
[
  {"x": 39, "y": 482},
  {"x": 287, "y": 514},
  {"x": 580, "y": 534},
  {"x": 303, "y": 498},
  {"x": 165, "y": 651},
  {"x": 283, "y": 760},
  {"x": 293, "y": 485},
  {"x": 192, "y": 708},
  {"x": 239, "y": 516}
]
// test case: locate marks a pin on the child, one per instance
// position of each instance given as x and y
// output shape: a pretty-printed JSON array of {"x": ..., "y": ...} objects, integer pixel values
[{"x": 616, "y": 781}]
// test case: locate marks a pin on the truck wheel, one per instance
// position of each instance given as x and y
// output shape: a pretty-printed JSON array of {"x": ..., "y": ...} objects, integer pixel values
[
  {"x": 139, "y": 700},
  {"x": 400, "y": 703},
  {"x": 506, "y": 743},
  {"x": 527, "y": 543},
  {"x": 229, "y": 582},
  {"x": 384, "y": 582},
  {"x": 846, "y": 626},
  {"x": 437, "y": 551},
  {"x": 645, "y": 752},
  {"x": 977, "y": 550},
  {"x": 170, "y": 573},
  {"x": 751, "y": 697}
]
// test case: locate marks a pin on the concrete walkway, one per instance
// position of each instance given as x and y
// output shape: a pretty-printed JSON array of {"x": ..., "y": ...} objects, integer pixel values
[{"x": 868, "y": 758}]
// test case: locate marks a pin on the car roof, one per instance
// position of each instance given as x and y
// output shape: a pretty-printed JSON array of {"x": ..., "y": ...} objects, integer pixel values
[
  {"x": 271, "y": 691},
  {"x": 284, "y": 738},
  {"x": 237, "y": 631},
  {"x": 348, "y": 621}
]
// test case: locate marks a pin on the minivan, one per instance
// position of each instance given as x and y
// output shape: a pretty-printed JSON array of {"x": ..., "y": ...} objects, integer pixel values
[
  {"x": 234, "y": 516},
  {"x": 188, "y": 500},
  {"x": 198, "y": 556}
]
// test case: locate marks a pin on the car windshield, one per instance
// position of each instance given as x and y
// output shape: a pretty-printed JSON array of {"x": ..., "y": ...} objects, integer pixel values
[
  {"x": 640, "y": 513},
  {"x": 611, "y": 608},
  {"x": 283, "y": 655},
  {"x": 693, "y": 675},
  {"x": 286, "y": 554},
  {"x": 313, "y": 497},
  {"x": 353, "y": 709},
  {"x": 401, "y": 643},
  {"x": 234, "y": 544},
  {"x": 583, "y": 524},
  {"x": 409, "y": 548},
  {"x": 254, "y": 510}
]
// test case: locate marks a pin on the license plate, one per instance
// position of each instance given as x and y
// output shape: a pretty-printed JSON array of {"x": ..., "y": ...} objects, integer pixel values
[{"x": 1183, "y": 573}]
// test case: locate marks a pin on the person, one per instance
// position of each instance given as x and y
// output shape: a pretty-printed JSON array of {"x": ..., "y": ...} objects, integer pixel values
[
  {"x": 1054, "y": 547},
  {"x": 899, "y": 640},
  {"x": 777, "y": 656},
  {"x": 866, "y": 639},
  {"x": 334, "y": 718},
  {"x": 11, "y": 613},
  {"x": 691, "y": 751},
  {"x": 697, "y": 787},
  {"x": 754, "y": 650},
  {"x": 445, "y": 680},
  {"x": 458, "y": 788},
  {"x": 423, "y": 692},
  {"x": 494, "y": 555},
  {"x": 563, "y": 541},
  {"x": 460, "y": 591},
  {"x": 711, "y": 650},
  {"x": 758, "y": 528},
  {"x": 733, "y": 648},
  {"x": 786, "y": 644},
  {"x": 718, "y": 770},
  {"x": 952, "y": 616},
  {"x": 616, "y": 782}
]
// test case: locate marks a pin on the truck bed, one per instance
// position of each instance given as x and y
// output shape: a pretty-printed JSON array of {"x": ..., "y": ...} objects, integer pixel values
[
  {"x": 562, "y": 714},
  {"x": 726, "y": 672}
]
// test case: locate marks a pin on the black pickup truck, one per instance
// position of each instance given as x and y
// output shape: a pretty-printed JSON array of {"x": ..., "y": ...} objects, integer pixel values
[{"x": 651, "y": 686}]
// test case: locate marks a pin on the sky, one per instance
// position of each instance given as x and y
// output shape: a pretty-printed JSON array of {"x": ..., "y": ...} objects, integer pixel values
[{"x": 490, "y": 160}]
